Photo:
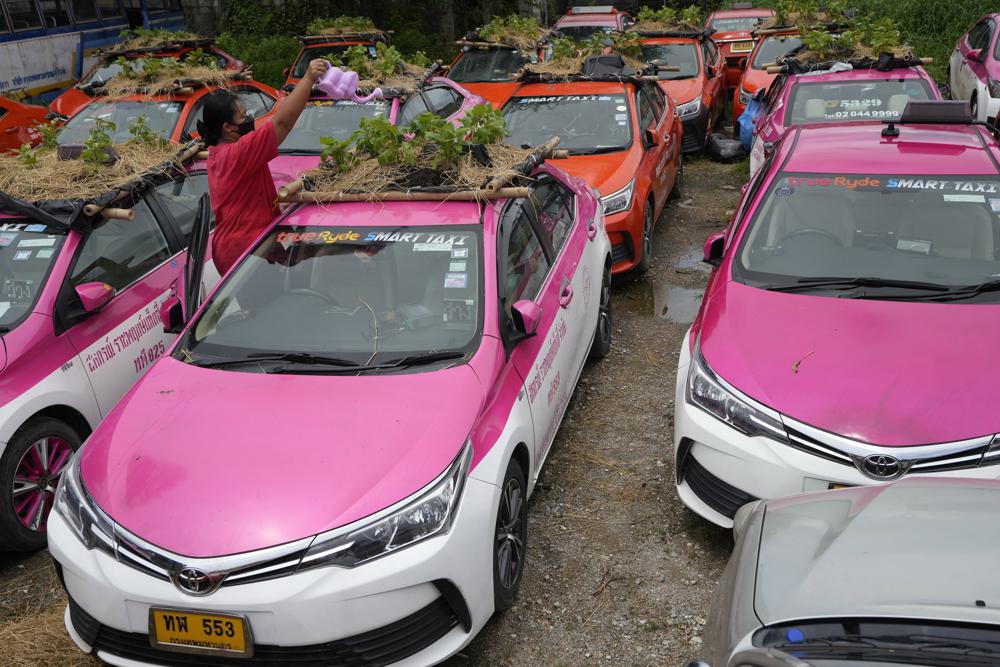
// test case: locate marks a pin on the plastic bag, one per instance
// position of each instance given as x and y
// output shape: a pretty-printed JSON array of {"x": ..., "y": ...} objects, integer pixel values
[{"x": 723, "y": 149}]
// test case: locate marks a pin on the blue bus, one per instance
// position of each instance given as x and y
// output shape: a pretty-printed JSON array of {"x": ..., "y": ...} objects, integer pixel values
[{"x": 45, "y": 45}]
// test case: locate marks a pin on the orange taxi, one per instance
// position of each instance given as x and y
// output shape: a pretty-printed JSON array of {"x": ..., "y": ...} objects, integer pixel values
[
  {"x": 733, "y": 33},
  {"x": 489, "y": 70},
  {"x": 755, "y": 77},
  {"x": 579, "y": 23},
  {"x": 623, "y": 138},
  {"x": 83, "y": 93},
  {"x": 174, "y": 117},
  {"x": 17, "y": 123},
  {"x": 695, "y": 79},
  {"x": 321, "y": 46}
]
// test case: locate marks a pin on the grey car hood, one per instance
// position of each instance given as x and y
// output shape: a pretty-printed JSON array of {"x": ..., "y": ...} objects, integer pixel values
[{"x": 920, "y": 548}]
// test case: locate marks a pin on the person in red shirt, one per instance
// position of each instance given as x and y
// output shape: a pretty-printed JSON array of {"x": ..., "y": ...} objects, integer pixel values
[{"x": 244, "y": 200}]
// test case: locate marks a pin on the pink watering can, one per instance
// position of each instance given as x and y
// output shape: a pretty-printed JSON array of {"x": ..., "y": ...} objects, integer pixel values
[{"x": 341, "y": 84}]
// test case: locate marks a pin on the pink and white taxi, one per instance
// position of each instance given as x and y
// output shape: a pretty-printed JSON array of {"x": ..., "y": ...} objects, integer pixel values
[
  {"x": 847, "y": 335},
  {"x": 338, "y": 119},
  {"x": 878, "y": 91},
  {"x": 78, "y": 326},
  {"x": 331, "y": 464}
]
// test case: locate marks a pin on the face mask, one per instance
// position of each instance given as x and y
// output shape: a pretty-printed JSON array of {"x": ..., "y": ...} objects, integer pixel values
[{"x": 246, "y": 127}]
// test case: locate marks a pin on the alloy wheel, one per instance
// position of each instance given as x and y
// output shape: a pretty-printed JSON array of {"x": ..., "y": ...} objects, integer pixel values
[
  {"x": 35, "y": 480},
  {"x": 509, "y": 539}
]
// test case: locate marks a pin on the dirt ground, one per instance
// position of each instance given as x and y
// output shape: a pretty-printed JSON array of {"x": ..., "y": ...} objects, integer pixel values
[{"x": 619, "y": 572}]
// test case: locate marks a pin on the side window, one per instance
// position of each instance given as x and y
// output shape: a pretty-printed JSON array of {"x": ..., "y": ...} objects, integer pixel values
[
  {"x": 119, "y": 252},
  {"x": 646, "y": 118},
  {"x": 412, "y": 108},
  {"x": 525, "y": 266},
  {"x": 713, "y": 53},
  {"x": 554, "y": 210},
  {"x": 181, "y": 199},
  {"x": 656, "y": 101},
  {"x": 979, "y": 37},
  {"x": 191, "y": 124},
  {"x": 443, "y": 101},
  {"x": 256, "y": 102}
]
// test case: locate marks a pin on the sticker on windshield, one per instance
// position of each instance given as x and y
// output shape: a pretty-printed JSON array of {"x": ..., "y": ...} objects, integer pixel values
[
  {"x": 44, "y": 254},
  {"x": 995, "y": 204},
  {"x": 457, "y": 265},
  {"x": 34, "y": 243},
  {"x": 987, "y": 187},
  {"x": 35, "y": 228},
  {"x": 21, "y": 255},
  {"x": 432, "y": 247},
  {"x": 4, "y": 307},
  {"x": 460, "y": 253},
  {"x": 455, "y": 280},
  {"x": 906, "y": 245},
  {"x": 6, "y": 239},
  {"x": 19, "y": 290},
  {"x": 971, "y": 199},
  {"x": 621, "y": 107},
  {"x": 621, "y": 116},
  {"x": 604, "y": 98},
  {"x": 784, "y": 191},
  {"x": 459, "y": 310}
]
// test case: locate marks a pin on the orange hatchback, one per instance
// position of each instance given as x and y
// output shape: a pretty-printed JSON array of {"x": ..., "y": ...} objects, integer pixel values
[
  {"x": 733, "y": 32},
  {"x": 489, "y": 70},
  {"x": 771, "y": 46},
  {"x": 623, "y": 138},
  {"x": 174, "y": 117},
  {"x": 83, "y": 93},
  {"x": 696, "y": 80},
  {"x": 17, "y": 124},
  {"x": 320, "y": 46}
]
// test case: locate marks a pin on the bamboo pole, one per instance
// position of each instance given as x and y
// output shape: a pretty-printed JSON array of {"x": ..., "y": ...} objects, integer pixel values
[
  {"x": 289, "y": 189},
  {"x": 190, "y": 152},
  {"x": 536, "y": 157},
  {"x": 118, "y": 213},
  {"x": 460, "y": 195}
]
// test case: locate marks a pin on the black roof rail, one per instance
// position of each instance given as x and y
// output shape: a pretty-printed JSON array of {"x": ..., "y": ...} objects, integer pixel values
[
  {"x": 608, "y": 68},
  {"x": 936, "y": 112}
]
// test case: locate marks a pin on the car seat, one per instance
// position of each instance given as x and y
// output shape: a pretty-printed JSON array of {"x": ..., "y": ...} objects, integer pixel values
[
  {"x": 353, "y": 282},
  {"x": 957, "y": 230},
  {"x": 898, "y": 103},
  {"x": 815, "y": 110},
  {"x": 828, "y": 212}
]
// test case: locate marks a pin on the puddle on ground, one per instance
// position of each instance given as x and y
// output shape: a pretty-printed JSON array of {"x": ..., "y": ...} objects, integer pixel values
[
  {"x": 693, "y": 259},
  {"x": 668, "y": 302}
]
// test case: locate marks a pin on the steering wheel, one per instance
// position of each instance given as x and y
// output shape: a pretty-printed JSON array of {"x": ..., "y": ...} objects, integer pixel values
[
  {"x": 815, "y": 231},
  {"x": 316, "y": 294}
]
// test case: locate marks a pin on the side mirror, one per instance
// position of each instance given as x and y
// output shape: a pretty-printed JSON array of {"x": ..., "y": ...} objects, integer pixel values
[
  {"x": 526, "y": 316},
  {"x": 714, "y": 248},
  {"x": 95, "y": 296},
  {"x": 649, "y": 139},
  {"x": 172, "y": 315},
  {"x": 285, "y": 72},
  {"x": 975, "y": 54}
]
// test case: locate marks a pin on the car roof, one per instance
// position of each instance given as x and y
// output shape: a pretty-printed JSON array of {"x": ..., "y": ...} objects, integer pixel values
[
  {"x": 386, "y": 214},
  {"x": 588, "y": 19},
  {"x": 571, "y": 88},
  {"x": 862, "y": 75},
  {"x": 919, "y": 149},
  {"x": 918, "y": 548},
  {"x": 741, "y": 13}
]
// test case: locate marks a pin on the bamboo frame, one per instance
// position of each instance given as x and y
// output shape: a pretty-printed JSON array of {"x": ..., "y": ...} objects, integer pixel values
[
  {"x": 394, "y": 195},
  {"x": 774, "y": 68},
  {"x": 109, "y": 212},
  {"x": 536, "y": 157},
  {"x": 289, "y": 189}
]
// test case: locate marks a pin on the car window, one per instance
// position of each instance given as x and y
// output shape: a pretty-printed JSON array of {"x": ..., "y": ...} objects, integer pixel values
[
  {"x": 773, "y": 47},
  {"x": 84, "y": 10},
  {"x": 681, "y": 58},
  {"x": 23, "y": 15},
  {"x": 410, "y": 110},
  {"x": 3, "y": 112},
  {"x": 55, "y": 12},
  {"x": 181, "y": 199},
  {"x": 656, "y": 100},
  {"x": 979, "y": 36},
  {"x": 840, "y": 101},
  {"x": 256, "y": 102},
  {"x": 443, "y": 101},
  {"x": 160, "y": 116},
  {"x": 646, "y": 116},
  {"x": 554, "y": 210},
  {"x": 120, "y": 252},
  {"x": 709, "y": 52},
  {"x": 486, "y": 65},
  {"x": 525, "y": 264}
]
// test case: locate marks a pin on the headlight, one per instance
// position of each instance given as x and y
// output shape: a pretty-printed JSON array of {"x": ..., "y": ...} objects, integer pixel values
[
  {"x": 994, "y": 88},
  {"x": 430, "y": 513},
  {"x": 619, "y": 201},
  {"x": 745, "y": 97},
  {"x": 713, "y": 395},
  {"x": 88, "y": 523},
  {"x": 690, "y": 109}
]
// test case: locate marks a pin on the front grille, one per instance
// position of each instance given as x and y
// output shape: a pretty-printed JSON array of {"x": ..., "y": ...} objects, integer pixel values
[
  {"x": 724, "y": 498},
  {"x": 391, "y": 643},
  {"x": 734, "y": 61},
  {"x": 692, "y": 141},
  {"x": 621, "y": 252}
]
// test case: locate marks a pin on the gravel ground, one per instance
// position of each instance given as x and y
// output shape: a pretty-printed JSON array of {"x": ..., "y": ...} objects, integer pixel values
[{"x": 619, "y": 572}]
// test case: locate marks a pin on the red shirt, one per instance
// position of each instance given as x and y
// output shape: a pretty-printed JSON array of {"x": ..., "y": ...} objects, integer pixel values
[{"x": 243, "y": 196}]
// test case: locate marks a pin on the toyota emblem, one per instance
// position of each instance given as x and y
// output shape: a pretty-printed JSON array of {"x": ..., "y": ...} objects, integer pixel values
[
  {"x": 880, "y": 466},
  {"x": 194, "y": 582}
]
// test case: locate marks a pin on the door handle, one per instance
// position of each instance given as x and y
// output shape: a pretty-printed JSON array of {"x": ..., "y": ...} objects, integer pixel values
[
  {"x": 566, "y": 295},
  {"x": 592, "y": 229}
]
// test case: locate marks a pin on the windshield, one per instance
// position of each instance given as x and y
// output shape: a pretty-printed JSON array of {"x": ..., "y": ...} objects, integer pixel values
[
  {"x": 311, "y": 53},
  {"x": 105, "y": 72},
  {"x": 579, "y": 33},
  {"x": 583, "y": 123},
  {"x": 941, "y": 230},
  {"x": 736, "y": 24},
  {"x": 479, "y": 65},
  {"x": 363, "y": 295},
  {"x": 682, "y": 56},
  {"x": 27, "y": 252},
  {"x": 327, "y": 118},
  {"x": 853, "y": 100},
  {"x": 905, "y": 642},
  {"x": 772, "y": 48},
  {"x": 162, "y": 118}
]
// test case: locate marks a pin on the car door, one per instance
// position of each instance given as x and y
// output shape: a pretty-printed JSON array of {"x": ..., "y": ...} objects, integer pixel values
[
  {"x": 715, "y": 80},
  {"x": 179, "y": 199},
  {"x": 970, "y": 70},
  {"x": 653, "y": 168},
  {"x": 526, "y": 271},
  {"x": 141, "y": 259}
]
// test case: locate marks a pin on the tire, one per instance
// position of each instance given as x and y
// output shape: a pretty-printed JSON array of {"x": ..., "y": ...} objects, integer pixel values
[
  {"x": 34, "y": 459},
  {"x": 602, "y": 335},
  {"x": 647, "y": 239},
  {"x": 510, "y": 537},
  {"x": 678, "y": 189}
]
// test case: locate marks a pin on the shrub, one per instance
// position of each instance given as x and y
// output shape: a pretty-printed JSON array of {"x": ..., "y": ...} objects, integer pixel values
[{"x": 268, "y": 56}]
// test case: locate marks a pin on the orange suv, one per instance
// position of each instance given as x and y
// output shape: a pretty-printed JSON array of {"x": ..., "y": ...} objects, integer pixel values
[
  {"x": 733, "y": 32},
  {"x": 489, "y": 69},
  {"x": 623, "y": 138},
  {"x": 694, "y": 76},
  {"x": 319, "y": 46},
  {"x": 772, "y": 45}
]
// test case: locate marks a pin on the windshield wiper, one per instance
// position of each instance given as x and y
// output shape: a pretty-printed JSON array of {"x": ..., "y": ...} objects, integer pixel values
[
  {"x": 804, "y": 284},
  {"x": 290, "y": 357},
  {"x": 595, "y": 151},
  {"x": 298, "y": 151},
  {"x": 420, "y": 359},
  {"x": 964, "y": 292}
]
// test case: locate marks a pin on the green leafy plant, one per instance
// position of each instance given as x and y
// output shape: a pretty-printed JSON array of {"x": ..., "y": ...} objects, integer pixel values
[
  {"x": 389, "y": 61},
  {"x": 354, "y": 58},
  {"x": 49, "y": 132},
  {"x": 442, "y": 140},
  {"x": 691, "y": 16},
  {"x": 340, "y": 24},
  {"x": 27, "y": 156},
  {"x": 627, "y": 44},
  {"x": 484, "y": 125},
  {"x": 663, "y": 15},
  {"x": 198, "y": 58},
  {"x": 420, "y": 59},
  {"x": 97, "y": 147},
  {"x": 127, "y": 66},
  {"x": 519, "y": 31},
  {"x": 144, "y": 134},
  {"x": 337, "y": 152},
  {"x": 564, "y": 47},
  {"x": 383, "y": 141}
]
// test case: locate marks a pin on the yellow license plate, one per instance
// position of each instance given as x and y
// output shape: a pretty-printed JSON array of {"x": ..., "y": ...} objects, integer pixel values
[
  {"x": 742, "y": 46},
  {"x": 194, "y": 632}
]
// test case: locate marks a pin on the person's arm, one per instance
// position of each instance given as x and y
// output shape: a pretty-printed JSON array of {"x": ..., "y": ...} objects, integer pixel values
[{"x": 288, "y": 109}]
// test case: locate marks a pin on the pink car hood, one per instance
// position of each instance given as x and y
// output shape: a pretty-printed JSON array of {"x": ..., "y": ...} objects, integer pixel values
[
  {"x": 206, "y": 462},
  {"x": 883, "y": 372},
  {"x": 286, "y": 168}
]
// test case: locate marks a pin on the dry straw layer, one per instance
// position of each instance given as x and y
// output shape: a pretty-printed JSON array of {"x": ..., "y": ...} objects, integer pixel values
[
  {"x": 168, "y": 81},
  {"x": 77, "y": 180},
  {"x": 405, "y": 82},
  {"x": 153, "y": 41},
  {"x": 664, "y": 26}
]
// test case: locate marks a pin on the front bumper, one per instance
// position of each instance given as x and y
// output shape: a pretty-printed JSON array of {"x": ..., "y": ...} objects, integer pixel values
[
  {"x": 695, "y": 131},
  {"x": 719, "y": 469},
  {"x": 625, "y": 233},
  {"x": 414, "y": 607}
]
